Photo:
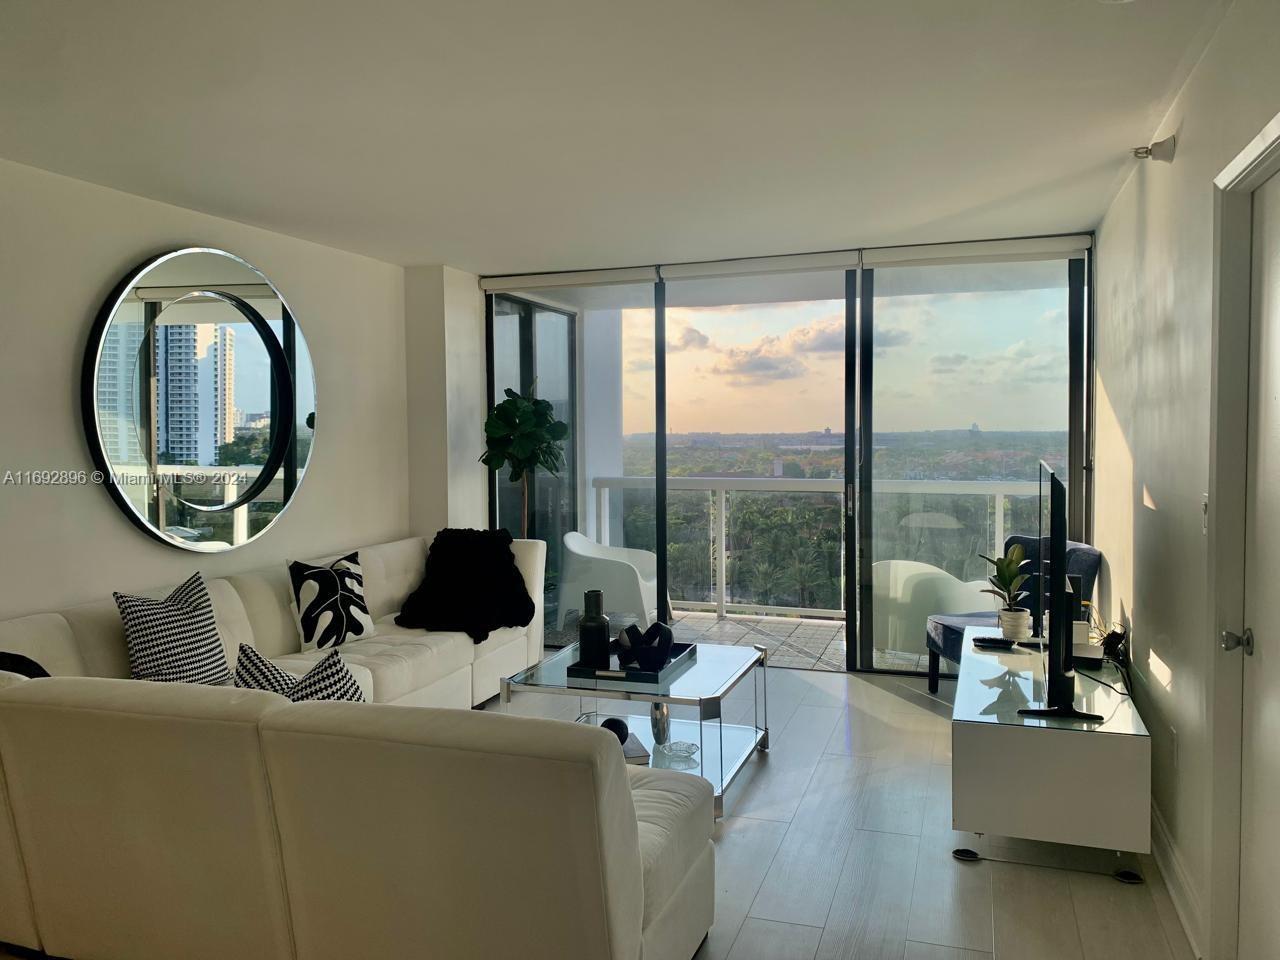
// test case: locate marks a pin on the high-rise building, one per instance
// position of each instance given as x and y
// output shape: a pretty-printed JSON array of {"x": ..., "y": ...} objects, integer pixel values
[
  {"x": 195, "y": 391},
  {"x": 118, "y": 397}
]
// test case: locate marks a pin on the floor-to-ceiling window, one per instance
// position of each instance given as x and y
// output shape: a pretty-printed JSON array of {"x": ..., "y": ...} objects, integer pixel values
[
  {"x": 812, "y": 452},
  {"x": 533, "y": 350},
  {"x": 970, "y": 389},
  {"x": 589, "y": 350},
  {"x": 756, "y": 461}
]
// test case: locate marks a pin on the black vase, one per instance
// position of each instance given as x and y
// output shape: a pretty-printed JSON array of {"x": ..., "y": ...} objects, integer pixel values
[{"x": 593, "y": 632}]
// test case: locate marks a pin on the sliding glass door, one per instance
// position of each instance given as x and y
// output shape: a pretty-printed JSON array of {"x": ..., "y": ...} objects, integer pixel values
[
  {"x": 968, "y": 387},
  {"x": 755, "y": 404}
]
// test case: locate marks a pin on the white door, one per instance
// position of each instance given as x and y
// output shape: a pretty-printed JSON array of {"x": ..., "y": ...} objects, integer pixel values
[{"x": 1260, "y": 828}]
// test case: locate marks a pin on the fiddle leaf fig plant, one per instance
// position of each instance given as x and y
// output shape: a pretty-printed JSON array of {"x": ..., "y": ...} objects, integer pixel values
[
  {"x": 1007, "y": 578},
  {"x": 521, "y": 434}
]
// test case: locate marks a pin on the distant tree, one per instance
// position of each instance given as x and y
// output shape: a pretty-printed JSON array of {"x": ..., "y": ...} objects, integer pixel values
[
  {"x": 249, "y": 446},
  {"x": 791, "y": 468}
]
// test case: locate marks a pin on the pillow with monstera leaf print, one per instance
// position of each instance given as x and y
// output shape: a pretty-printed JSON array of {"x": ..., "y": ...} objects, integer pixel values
[{"x": 328, "y": 602}]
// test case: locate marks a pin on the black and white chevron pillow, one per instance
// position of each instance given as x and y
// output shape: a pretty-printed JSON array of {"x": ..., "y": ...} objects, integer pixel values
[
  {"x": 329, "y": 679},
  {"x": 256, "y": 672},
  {"x": 174, "y": 640},
  {"x": 329, "y": 602}
]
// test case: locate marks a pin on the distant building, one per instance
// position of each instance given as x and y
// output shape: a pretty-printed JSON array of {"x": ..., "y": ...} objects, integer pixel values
[
  {"x": 195, "y": 391},
  {"x": 117, "y": 372}
]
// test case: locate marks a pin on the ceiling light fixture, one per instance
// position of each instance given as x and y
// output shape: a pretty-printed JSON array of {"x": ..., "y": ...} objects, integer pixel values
[{"x": 1161, "y": 150}]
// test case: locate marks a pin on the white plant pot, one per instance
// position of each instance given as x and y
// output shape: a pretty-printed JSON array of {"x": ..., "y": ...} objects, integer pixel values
[{"x": 1015, "y": 624}]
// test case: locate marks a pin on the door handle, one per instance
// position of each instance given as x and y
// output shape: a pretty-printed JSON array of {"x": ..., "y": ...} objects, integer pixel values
[{"x": 1232, "y": 641}]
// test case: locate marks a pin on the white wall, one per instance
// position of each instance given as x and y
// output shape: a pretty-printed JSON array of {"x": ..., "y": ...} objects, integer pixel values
[
  {"x": 448, "y": 399},
  {"x": 63, "y": 245},
  {"x": 600, "y": 431},
  {"x": 1154, "y": 283}
]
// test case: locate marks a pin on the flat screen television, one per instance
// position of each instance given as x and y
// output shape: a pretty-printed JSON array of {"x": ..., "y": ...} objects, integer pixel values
[{"x": 1060, "y": 675}]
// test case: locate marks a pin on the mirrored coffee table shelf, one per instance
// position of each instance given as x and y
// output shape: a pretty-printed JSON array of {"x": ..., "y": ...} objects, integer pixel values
[{"x": 723, "y": 748}]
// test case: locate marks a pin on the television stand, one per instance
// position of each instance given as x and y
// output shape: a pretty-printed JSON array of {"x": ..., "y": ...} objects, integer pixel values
[{"x": 1048, "y": 776}]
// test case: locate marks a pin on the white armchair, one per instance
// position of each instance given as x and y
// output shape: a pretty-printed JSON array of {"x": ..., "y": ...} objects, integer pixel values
[
  {"x": 906, "y": 593},
  {"x": 628, "y": 577}
]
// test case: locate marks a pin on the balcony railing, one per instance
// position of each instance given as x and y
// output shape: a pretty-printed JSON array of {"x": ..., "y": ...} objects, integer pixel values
[{"x": 985, "y": 528}]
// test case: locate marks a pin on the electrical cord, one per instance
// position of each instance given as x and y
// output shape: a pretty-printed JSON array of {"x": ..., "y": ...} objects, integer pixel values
[{"x": 1123, "y": 693}]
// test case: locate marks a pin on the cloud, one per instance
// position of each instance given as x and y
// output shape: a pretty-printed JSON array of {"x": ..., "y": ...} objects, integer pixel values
[
  {"x": 892, "y": 337},
  {"x": 765, "y": 360},
  {"x": 1022, "y": 350},
  {"x": 827, "y": 335},
  {"x": 639, "y": 364},
  {"x": 824, "y": 335},
  {"x": 886, "y": 338},
  {"x": 688, "y": 338},
  {"x": 1054, "y": 318},
  {"x": 948, "y": 362}
]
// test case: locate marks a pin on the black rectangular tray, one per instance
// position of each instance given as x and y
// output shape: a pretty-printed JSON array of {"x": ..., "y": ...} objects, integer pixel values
[{"x": 683, "y": 656}]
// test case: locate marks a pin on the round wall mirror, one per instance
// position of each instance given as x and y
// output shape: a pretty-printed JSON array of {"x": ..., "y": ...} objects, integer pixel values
[{"x": 199, "y": 399}]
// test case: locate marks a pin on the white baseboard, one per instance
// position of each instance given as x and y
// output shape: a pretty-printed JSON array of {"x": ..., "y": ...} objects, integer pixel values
[{"x": 1177, "y": 879}]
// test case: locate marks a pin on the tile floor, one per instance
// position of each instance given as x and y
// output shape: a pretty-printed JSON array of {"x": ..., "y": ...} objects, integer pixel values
[
  {"x": 809, "y": 644},
  {"x": 836, "y": 845}
]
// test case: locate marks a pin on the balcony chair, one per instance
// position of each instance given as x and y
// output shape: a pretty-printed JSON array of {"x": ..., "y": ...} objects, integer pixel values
[
  {"x": 905, "y": 593},
  {"x": 944, "y": 632},
  {"x": 628, "y": 577}
]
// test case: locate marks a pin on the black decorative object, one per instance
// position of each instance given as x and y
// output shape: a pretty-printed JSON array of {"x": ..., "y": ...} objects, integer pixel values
[
  {"x": 683, "y": 656},
  {"x": 650, "y": 650},
  {"x": 23, "y": 666},
  {"x": 471, "y": 584},
  {"x": 618, "y": 727},
  {"x": 593, "y": 632}
]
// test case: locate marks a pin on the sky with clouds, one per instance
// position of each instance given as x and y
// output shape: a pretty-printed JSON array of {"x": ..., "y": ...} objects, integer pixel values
[{"x": 943, "y": 361}]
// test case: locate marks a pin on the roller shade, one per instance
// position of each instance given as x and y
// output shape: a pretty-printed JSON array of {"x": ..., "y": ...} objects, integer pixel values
[
  {"x": 985, "y": 251},
  {"x": 798, "y": 263},
  {"x": 581, "y": 278}
]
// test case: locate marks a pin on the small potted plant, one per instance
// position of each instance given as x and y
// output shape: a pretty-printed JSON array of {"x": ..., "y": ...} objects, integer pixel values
[{"x": 1006, "y": 584}]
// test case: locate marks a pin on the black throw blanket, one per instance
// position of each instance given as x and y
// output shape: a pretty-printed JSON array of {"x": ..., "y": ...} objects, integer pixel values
[{"x": 471, "y": 584}]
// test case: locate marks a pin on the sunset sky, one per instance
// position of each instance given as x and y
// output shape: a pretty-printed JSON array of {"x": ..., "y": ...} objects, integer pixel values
[{"x": 943, "y": 361}]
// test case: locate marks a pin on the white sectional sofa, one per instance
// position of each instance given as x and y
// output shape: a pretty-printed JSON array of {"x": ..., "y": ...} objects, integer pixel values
[
  {"x": 407, "y": 667},
  {"x": 147, "y": 821}
]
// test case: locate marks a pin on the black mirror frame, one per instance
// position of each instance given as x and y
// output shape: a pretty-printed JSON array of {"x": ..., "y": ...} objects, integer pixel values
[{"x": 284, "y": 412}]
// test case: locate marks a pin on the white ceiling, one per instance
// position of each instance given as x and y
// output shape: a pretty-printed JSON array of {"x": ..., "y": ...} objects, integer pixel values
[{"x": 506, "y": 136}]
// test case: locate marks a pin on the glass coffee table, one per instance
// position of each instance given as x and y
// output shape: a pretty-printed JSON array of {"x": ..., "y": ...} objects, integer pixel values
[{"x": 723, "y": 748}]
